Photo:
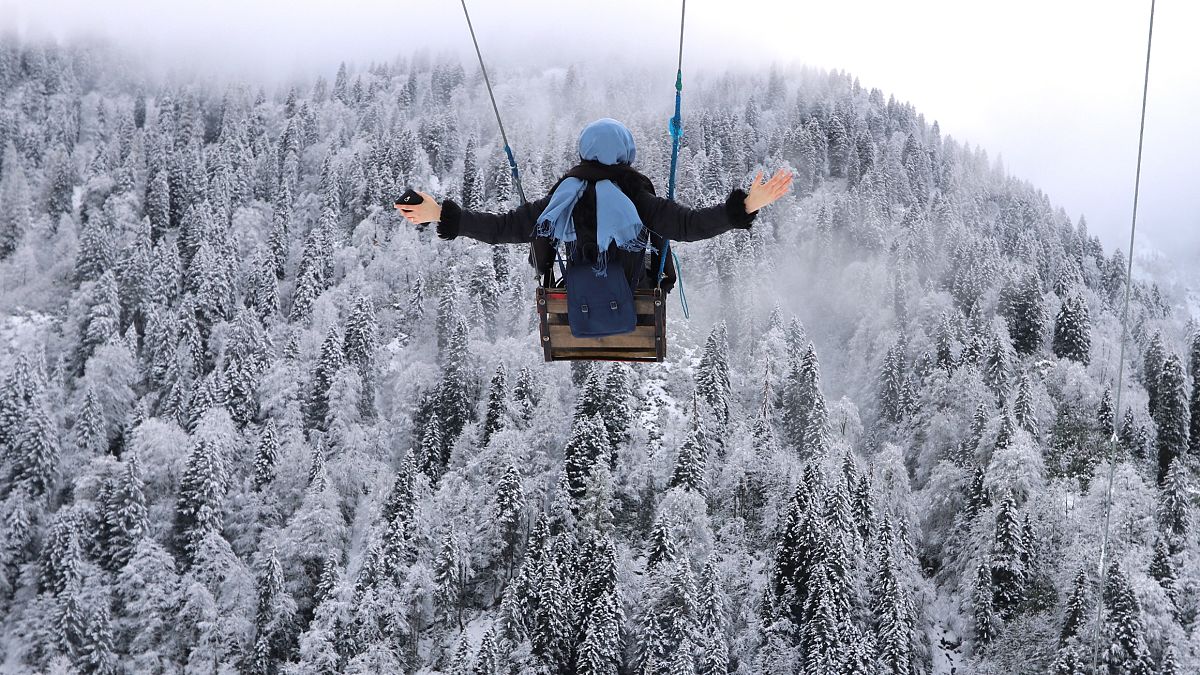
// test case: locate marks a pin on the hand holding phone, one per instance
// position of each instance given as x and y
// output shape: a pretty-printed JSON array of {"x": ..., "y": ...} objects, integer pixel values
[
  {"x": 418, "y": 207},
  {"x": 410, "y": 198}
]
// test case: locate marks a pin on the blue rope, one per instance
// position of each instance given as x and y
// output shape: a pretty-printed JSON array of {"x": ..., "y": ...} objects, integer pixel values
[
  {"x": 675, "y": 126},
  {"x": 512, "y": 165}
]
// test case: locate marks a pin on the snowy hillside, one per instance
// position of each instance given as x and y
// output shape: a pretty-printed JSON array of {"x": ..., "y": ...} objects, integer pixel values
[{"x": 252, "y": 421}]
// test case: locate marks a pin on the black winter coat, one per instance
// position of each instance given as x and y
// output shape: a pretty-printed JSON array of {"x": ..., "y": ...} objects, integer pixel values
[{"x": 664, "y": 219}]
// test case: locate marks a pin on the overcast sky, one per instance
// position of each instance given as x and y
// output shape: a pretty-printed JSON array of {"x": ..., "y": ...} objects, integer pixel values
[{"x": 1053, "y": 86}]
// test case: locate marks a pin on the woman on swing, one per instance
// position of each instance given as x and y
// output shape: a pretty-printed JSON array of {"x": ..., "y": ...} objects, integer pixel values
[{"x": 603, "y": 207}]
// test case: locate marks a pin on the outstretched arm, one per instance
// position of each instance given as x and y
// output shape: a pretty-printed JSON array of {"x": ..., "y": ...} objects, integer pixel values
[
  {"x": 670, "y": 220},
  {"x": 514, "y": 227}
]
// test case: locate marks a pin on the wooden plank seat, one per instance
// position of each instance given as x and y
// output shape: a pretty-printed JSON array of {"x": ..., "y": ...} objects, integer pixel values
[{"x": 647, "y": 342}]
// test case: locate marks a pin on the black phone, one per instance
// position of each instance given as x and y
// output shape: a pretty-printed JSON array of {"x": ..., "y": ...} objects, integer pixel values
[{"x": 409, "y": 198}]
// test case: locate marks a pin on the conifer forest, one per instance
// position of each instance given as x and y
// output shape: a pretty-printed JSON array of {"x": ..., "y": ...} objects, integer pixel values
[{"x": 253, "y": 421}]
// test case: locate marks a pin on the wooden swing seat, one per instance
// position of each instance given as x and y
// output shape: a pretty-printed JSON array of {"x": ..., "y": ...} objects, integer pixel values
[{"x": 647, "y": 342}]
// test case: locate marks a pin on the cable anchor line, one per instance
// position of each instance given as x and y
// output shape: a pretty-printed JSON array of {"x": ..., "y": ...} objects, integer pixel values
[
  {"x": 512, "y": 160},
  {"x": 1112, "y": 453}
]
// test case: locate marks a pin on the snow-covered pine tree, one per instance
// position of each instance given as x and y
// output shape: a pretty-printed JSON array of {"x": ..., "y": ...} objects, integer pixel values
[
  {"x": 487, "y": 659},
  {"x": 207, "y": 395},
  {"x": 1162, "y": 568},
  {"x": 1174, "y": 504},
  {"x": 691, "y": 462},
  {"x": 896, "y": 616},
  {"x": 496, "y": 415},
  {"x": 661, "y": 545},
  {"x": 318, "y": 474},
  {"x": 591, "y": 395},
  {"x": 997, "y": 363},
  {"x": 600, "y": 644},
  {"x": 397, "y": 554},
  {"x": 262, "y": 288},
  {"x": 714, "y": 622},
  {"x": 1023, "y": 407},
  {"x": 126, "y": 516},
  {"x": 460, "y": 663},
  {"x": 1069, "y": 661},
  {"x": 1077, "y": 606},
  {"x": 1152, "y": 365},
  {"x": 615, "y": 410},
  {"x": 550, "y": 629},
  {"x": 587, "y": 447},
  {"x": 198, "y": 509},
  {"x": 1006, "y": 432},
  {"x": 1127, "y": 651},
  {"x": 400, "y": 503},
  {"x": 669, "y": 624},
  {"x": 16, "y": 544},
  {"x": 892, "y": 405},
  {"x": 1007, "y": 561},
  {"x": 330, "y": 362},
  {"x": 1072, "y": 331},
  {"x": 266, "y": 455},
  {"x": 62, "y": 555},
  {"x": 486, "y": 294},
  {"x": 1128, "y": 436},
  {"x": 862, "y": 502},
  {"x": 1026, "y": 314},
  {"x": 796, "y": 551},
  {"x": 96, "y": 254},
  {"x": 525, "y": 395},
  {"x": 90, "y": 432},
  {"x": 510, "y": 505},
  {"x": 1171, "y": 414},
  {"x": 84, "y": 626},
  {"x": 274, "y": 619},
  {"x": 433, "y": 450},
  {"x": 308, "y": 289},
  {"x": 18, "y": 200},
  {"x": 805, "y": 416},
  {"x": 278, "y": 240},
  {"x": 19, "y": 389},
  {"x": 945, "y": 344},
  {"x": 158, "y": 203},
  {"x": 34, "y": 457},
  {"x": 1105, "y": 416},
  {"x": 821, "y": 636},
  {"x": 712, "y": 376},
  {"x": 449, "y": 575},
  {"x": 1194, "y": 371},
  {"x": 208, "y": 277},
  {"x": 103, "y": 320},
  {"x": 247, "y": 355},
  {"x": 986, "y": 623},
  {"x": 1168, "y": 667},
  {"x": 472, "y": 182},
  {"x": 454, "y": 399}
]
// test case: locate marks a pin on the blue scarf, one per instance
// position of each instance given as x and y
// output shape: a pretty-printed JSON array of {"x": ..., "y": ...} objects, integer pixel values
[{"x": 617, "y": 221}]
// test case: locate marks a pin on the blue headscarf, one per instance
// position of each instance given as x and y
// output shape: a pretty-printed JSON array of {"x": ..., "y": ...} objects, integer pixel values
[{"x": 606, "y": 141}]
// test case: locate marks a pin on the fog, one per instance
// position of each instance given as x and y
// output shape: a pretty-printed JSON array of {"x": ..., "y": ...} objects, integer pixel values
[{"x": 1052, "y": 88}]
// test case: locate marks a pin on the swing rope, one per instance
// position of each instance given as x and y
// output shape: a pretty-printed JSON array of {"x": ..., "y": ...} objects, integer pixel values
[
  {"x": 1112, "y": 464},
  {"x": 675, "y": 125},
  {"x": 512, "y": 161}
]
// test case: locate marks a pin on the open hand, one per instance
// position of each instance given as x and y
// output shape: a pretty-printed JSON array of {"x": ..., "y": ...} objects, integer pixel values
[
  {"x": 427, "y": 211},
  {"x": 763, "y": 193}
]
